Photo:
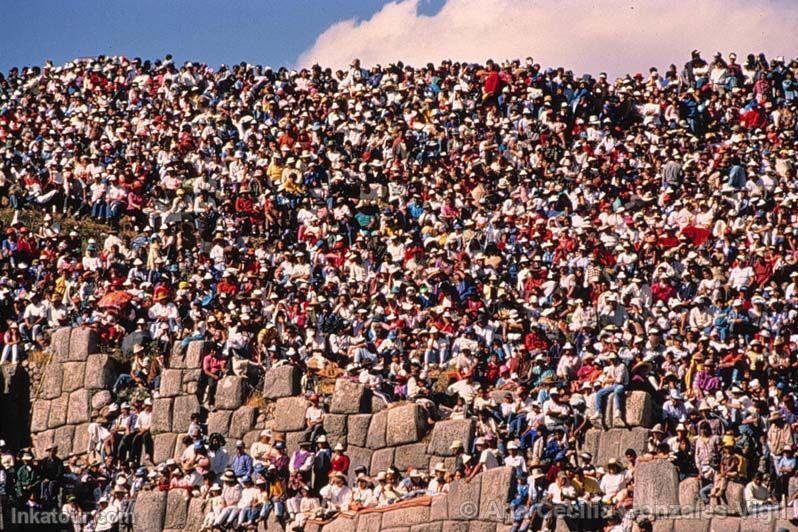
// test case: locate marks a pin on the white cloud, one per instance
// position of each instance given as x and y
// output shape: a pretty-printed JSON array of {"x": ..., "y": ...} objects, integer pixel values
[{"x": 618, "y": 36}]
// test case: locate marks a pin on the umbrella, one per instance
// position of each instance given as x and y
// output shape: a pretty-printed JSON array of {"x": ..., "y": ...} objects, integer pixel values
[
  {"x": 115, "y": 300},
  {"x": 133, "y": 339}
]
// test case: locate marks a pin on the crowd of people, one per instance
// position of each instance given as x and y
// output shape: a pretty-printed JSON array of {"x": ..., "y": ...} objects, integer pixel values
[{"x": 441, "y": 234}]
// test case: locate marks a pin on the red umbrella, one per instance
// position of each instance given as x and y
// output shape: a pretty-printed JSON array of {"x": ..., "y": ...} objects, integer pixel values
[{"x": 115, "y": 300}]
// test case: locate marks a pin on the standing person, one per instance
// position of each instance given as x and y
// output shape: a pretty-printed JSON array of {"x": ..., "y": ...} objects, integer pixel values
[
  {"x": 142, "y": 441},
  {"x": 213, "y": 369},
  {"x": 302, "y": 461},
  {"x": 340, "y": 462},
  {"x": 322, "y": 464},
  {"x": 28, "y": 478},
  {"x": 52, "y": 471}
]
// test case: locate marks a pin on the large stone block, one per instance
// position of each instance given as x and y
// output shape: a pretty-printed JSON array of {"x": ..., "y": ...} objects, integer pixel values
[
  {"x": 377, "y": 403},
  {"x": 289, "y": 414},
  {"x": 100, "y": 399},
  {"x": 735, "y": 499},
  {"x": 79, "y": 407},
  {"x": 413, "y": 455},
  {"x": 497, "y": 487},
  {"x": 101, "y": 372},
  {"x": 481, "y": 526},
  {"x": 369, "y": 522},
  {"x": 608, "y": 445},
  {"x": 405, "y": 424},
  {"x": 427, "y": 527},
  {"x": 639, "y": 411},
  {"x": 381, "y": 460},
  {"x": 455, "y": 526},
  {"x": 377, "y": 429},
  {"x": 163, "y": 446},
  {"x": 725, "y": 524},
  {"x": 82, "y": 343},
  {"x": 52, "y": 381},
  {"x": 350, "y": 398},
  {"x": 591, "y": 443},
  {"x": 688, "y": 494},
  {"x": 358, "y": 429},
  {"x": 230, "y": 392},
  {"x": 58, "y": 411},
  {"x": 219, "y": 421},
  {"x": 74, "y": 376},
  {"x": 63, "y": 437},
  {"x": 162, "y": 415},
  {"x": 292, "y": 439},
  {"x": 149, "y": 511},
  {"x": 656, "y": 487},
  {"x": 341, "y": 524},
  {"x": 171, "y": 383},
  {"x": 194, "y": 353},
  {"x": 635, "y": 438},
  {"x": 463, "y": 499},
  {"x": 196, "y": 514},
  {"x": 358, "y": 456},
  {"x": 59, "y": 344},
  {"x": 241, "y": 421},
  {"x": 190, "y": 358},
  {"x": 335, "y": 428},
  {"x": 80, "y": 444},
  {"x": 184, "y": 406},
  {"x": 176, "y": 510},
  {"x": 445, "y": 432},
  {"x": 191, "y": 376},
  {"x": 282, "y": 381},
  {"x": 691, "y": 525},
  {"x": 439, "y": 508},
  {"x": 760, "y": 523},
  {"x": 38, "y": 418},
  {"x": 405, "y": 517},
  {"x": 41, "y": 441}
]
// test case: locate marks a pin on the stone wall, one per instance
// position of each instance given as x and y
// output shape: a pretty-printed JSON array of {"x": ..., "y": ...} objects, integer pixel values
[
  {"x": 75, "y": 386},
  {"x": 76, "y": 383}
]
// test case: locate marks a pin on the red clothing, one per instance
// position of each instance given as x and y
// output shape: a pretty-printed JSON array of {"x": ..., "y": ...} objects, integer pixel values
[{"x": 340, "y": 463}]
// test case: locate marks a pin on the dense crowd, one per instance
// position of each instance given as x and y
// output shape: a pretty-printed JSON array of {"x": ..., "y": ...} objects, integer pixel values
[{"x": 439, "y": 234}]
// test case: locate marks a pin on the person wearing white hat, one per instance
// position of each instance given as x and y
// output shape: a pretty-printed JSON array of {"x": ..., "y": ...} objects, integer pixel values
[
  {"x": 336, "y": 495},
  {"x": 214, "y": 506},
  {"x": 487, "y": 458},
  {"x": 362, "y": 495},
  {"x": 515, "y": 459},
  {"x": 438, "y": 484},
  {"x": 261, "y": 449}
]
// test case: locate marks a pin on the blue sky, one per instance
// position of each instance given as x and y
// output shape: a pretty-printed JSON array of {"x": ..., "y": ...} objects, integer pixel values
[{"x": 257, "y": 31}]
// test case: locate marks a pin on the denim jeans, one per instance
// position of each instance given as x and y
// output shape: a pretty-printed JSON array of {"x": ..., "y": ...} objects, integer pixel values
[
  {"x": 615, "y": 389},
  {"x": 278, "y": 504}
]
